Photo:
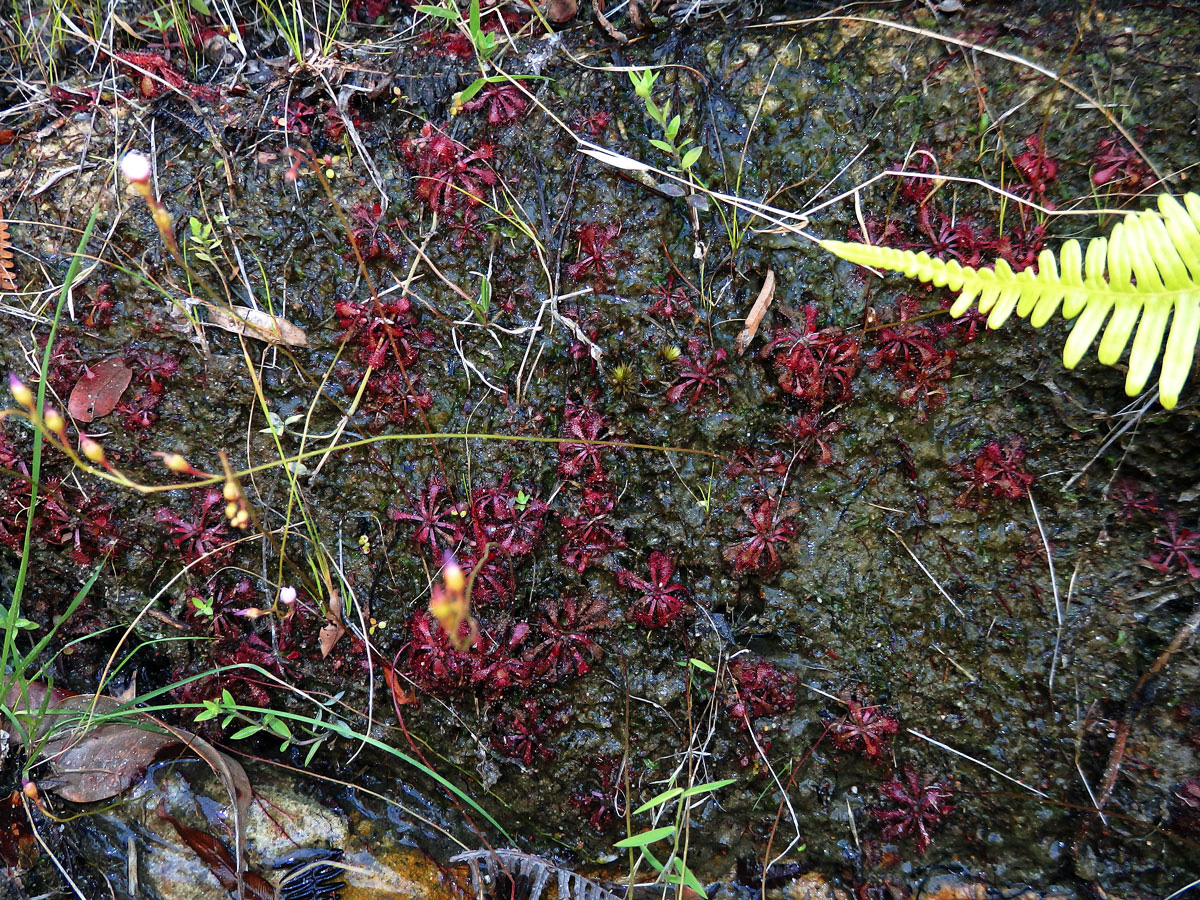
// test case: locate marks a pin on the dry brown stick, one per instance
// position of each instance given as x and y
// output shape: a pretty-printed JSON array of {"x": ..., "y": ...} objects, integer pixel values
[{"x": 1136, "y": 700}]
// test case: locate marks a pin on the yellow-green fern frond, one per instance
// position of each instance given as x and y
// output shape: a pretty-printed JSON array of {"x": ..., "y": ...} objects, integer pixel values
[{"x": 1148, "y": 268}]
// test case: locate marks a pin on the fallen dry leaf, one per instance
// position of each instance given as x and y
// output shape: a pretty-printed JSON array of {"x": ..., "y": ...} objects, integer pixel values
[
  {"x": 757, "y": 311},
  {"x": 334, "y": 627},
  {"x": 97, "y": 762},
  {"x": 598, "y": 11},
  {"x": 93, "y": 762},
  {"x": 560, "y": 12},
  {"x": 400, "y": 697},
  {"x": 261, "y": 326},
  {"x": 99, "y": 389},
  {"x": 104, "y": 761},
  {"x": 214, "y": 855}
]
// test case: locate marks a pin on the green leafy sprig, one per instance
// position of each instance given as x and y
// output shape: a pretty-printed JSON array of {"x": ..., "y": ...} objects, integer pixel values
[
  {"x": 1144, "y": 274},
  {"x": 685, "y": 157}
]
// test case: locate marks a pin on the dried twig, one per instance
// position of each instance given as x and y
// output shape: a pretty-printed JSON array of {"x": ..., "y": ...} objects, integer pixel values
[
  {"x": 937, "y": 584},
  {"x": 1058, "y": 612}
]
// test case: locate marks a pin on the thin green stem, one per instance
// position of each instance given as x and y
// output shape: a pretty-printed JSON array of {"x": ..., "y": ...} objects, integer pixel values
[{"x": 35, "y": 466}]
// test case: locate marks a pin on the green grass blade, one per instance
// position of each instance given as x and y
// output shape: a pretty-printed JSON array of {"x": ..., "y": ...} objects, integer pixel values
[
  {"x": 35, "y": 465},
  {"x": 646, "y": 837},
  {"x": 658, "y": 800}
]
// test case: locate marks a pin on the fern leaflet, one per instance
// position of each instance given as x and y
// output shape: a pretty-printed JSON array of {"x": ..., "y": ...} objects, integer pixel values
[
  {"x": 8, "y": 274},
  {"x": 1147, "y": 268},
  {"x": 530, "y": 876}
]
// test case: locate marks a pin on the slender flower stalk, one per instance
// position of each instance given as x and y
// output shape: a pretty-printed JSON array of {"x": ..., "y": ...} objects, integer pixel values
[{"x": 136, "y": 168}]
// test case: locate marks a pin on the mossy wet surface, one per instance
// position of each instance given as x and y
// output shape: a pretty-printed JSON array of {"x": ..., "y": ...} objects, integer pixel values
[{"x": 851, "y": 612}]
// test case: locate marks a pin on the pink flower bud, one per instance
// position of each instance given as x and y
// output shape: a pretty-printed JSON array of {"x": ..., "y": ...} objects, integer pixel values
[
  {"x": 20, "y": 392},
  {"x": 90, "y": 449},
  {"x": 54, "y": 420}
]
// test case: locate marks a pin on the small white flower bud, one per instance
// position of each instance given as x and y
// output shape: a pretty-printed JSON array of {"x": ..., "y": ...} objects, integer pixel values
[{"x": 135, "y": 166}]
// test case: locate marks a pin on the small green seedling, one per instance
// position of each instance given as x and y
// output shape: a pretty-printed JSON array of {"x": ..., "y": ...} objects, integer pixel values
[
  {"x": 481, "y": 306},
  {"x": 685, "y": 157},
  {"x": 203, "y": 242},
  {"x": 277, "y": 426},
  {"x": 675, "y": 870},
  {"x": 228, "y": 707}
]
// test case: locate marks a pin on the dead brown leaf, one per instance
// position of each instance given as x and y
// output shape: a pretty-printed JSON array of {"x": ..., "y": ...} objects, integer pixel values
[
  {"x": 93, "y": 762},
  {"x": 254, "y": 323},
  {"x": 560, "y": 12},
  {"x": 757, "y": 311},
  {"x": 400, "y": 697},
  {"x": 334, "y": 627},
  {"x": 598, "y": 11},
  {"x": 96, "y": 762},
  {"x": 104, "y": 761},
  {"x": 99, "y": 389},
  {"x": 214, "y": 855}
]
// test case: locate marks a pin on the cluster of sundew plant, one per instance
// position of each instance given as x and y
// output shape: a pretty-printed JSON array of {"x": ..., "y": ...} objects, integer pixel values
[
  {"x": 94, "y": 454},
  {"x": 50, "y": 428},
  {"x": 89, "y": 455}
]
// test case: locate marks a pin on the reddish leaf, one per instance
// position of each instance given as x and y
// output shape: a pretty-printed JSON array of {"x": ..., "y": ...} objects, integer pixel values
[
  {"x": 99, "y": 389},
  {"x": 400, "y": 697},
  {"x": 216, "y": 856}
]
